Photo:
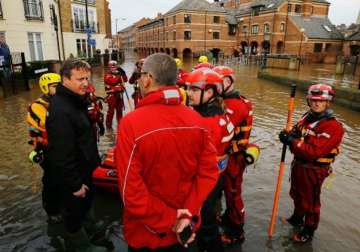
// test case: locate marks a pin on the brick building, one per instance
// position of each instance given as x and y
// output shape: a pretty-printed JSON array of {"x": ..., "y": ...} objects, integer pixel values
[
  {"x": 73, "y": 22},
  {"x": 233, "y": 27}
]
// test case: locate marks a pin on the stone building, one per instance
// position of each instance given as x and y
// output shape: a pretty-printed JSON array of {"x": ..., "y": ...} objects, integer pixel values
[
  {"x": 75, "y": 35},
  {"x": 249, "y": 27},
  {"x": 29, "y": 26}
]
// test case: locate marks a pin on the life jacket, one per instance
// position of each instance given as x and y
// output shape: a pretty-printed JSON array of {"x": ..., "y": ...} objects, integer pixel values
[
  {"x": 242, "y": 132},
  {"x": 308, "y": 129},
  {"x": 36, "y": 118}
]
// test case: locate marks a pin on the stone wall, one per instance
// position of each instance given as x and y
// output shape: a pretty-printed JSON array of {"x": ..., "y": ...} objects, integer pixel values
[{"x": 347, "y": 97}]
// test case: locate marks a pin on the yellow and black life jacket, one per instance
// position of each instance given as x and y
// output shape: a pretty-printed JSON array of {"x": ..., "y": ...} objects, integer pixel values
[{"x": 36, "y": 118}]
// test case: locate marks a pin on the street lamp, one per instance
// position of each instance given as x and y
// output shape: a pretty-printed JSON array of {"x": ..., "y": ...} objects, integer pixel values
[{"x": 302, "y": 30}]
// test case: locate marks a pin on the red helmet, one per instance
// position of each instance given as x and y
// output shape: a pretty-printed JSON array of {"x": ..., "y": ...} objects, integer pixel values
[
  {"x": 321, "y": 92},
  {"x": 203, "y": 78},
  {"x": 204, "y": 64},
  {"x": 225, "y": 71},
  {"x": 112, "y": 63}
]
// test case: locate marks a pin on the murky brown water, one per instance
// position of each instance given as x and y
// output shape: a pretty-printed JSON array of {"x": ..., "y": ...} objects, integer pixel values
[{"x": 22, "y": 220}]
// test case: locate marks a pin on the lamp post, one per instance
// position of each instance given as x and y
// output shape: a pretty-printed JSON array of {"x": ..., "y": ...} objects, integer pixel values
[{"x": 302, "y": 30}]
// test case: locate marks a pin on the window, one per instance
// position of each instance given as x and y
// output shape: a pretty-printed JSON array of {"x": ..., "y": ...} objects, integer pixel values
[
  {"x": 255, "y": 29},
  {"x": 317, "y": 47},
  {"x": 174, "y": 19},
  {"x": 79, "y": 19},
  {"x": 89, "y": 1},
  {"x": 187, "y": 18},
  {"x": 167, "y": 36},
  {"x": 312, "y": 10},
  {"x": 84, "y": 49},
  {"x": 35, "y": 46},
  {"x": 327, "y": 47},
  {"x": 33, "y": 9},
  {"x": 1, "y": 13},
  {"x": 232, "y": 29},
  {"x": 245, "y": 29},
  {"x": 282, "y": 27},
  {"x": 187, "y": 35},
  {"x": 216, "y": 35},
  {"x": 297, "y": 8},
  {"x": 256, "y": 11},
  {"x": 266, "y": 28},
  {"x": 174, "y": 35},
  {"x": 216, "y": 20},
  {"x": 289, "y": 7}
]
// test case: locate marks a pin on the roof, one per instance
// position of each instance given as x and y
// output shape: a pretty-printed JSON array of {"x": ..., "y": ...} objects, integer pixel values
[
  {"x": 196, "y": 5},
  {"x": 354, "y": 36},
  {"x": 266, "y": 4},
  {"x": 317, "y": 27}
]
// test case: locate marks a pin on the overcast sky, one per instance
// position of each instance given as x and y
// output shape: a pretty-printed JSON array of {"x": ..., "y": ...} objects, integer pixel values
[{"x": 128, "y": 12}]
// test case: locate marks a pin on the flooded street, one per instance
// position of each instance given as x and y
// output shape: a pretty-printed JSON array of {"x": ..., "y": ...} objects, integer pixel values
[{"x": 23, "y": 224}]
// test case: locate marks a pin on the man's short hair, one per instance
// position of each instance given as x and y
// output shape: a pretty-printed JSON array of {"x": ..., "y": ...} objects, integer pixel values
[
  {"x": 71, "y": 64},
  {"x": 162, "y": 68}
]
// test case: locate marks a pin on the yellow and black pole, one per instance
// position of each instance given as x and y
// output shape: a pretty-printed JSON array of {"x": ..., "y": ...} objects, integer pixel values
[{"x": 282, "y": 163}]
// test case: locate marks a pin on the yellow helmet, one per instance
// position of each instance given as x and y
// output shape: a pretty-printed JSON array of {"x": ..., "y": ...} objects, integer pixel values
[
  {"x": 178, "y": 63},
  {"x": 203, "y": 59},
  {"x": 47, "y": 79}
]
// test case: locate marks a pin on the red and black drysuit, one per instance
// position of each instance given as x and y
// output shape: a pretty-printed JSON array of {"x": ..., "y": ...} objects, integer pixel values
[
  {"x": 239, "y": 110},
  {"x": 114, "y": 82},
  {"x": 222, "y": 131},
  {"x": 134, "y": 81},
  {"x": 94, "y": 111},
  {"x": 314, "y": 149}
]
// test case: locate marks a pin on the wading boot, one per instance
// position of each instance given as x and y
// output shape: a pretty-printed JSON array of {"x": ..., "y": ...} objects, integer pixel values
[
  {"x": 296, "y": 221},
  {"x": 79, "y": 242},
  {"x": 305, "y": 235},
  {"x": 233, "y": 233},
  {"x": 96, "y": 231}
]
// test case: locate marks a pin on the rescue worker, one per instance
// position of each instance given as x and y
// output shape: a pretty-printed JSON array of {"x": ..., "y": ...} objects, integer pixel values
[
  {"x": 203, "y": 62},
  {"x": 134, "y": 81},
  {"x": 73, "y": 156},
  {"x": 239, "y": 109},
  {"x": 36, "y": 119},
  {"x": 204, "y": 90},
  {"x": 181, "y": 79},
  {"x": 166, "y": 164},
  {"x": 94, "y": 110},
  {"x": 315, "y": 142},
  {"x": 114, "y": 81}
]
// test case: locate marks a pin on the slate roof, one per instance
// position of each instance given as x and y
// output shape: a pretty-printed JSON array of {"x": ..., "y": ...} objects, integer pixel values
[
  {"x": 316, "y": 27},
  {"x": 354, "y": 36},
  {"x": 196, "y": 5}
]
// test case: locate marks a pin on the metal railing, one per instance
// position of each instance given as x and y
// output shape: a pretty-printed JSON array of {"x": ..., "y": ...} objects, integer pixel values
[
  {"x": 33, "y": 10},
  {"x": 92, "y": 2}
]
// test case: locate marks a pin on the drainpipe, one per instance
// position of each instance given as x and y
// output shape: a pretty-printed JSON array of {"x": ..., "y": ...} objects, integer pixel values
[
  {"x": 286, "y": 24},
  {"x": 61, "y": 30}
]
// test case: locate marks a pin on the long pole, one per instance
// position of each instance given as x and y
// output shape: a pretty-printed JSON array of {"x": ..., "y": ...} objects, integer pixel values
[
  {"x": 282, "y": 163},
  {"x": 87, "y": 28}
]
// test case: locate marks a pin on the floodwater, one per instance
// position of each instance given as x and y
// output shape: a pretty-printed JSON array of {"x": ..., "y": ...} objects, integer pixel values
[{"x": 22, "y": 219}]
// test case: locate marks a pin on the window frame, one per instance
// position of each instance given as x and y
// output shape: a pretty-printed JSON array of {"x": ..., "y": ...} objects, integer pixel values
[
  {"x": 187, "y": 35},
  {"x": 33, "y": 10},
  {"x": 253, "y": 30},
  {"x": 187, "y": 18},
  {"x": 35, "y": 39},
  {"x": 318, "y": 47},
  {"x": 216, "y": 19}
]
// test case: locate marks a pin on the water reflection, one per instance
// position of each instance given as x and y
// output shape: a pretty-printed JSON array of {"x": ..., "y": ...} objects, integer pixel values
[{"x": 22, "y": 220}]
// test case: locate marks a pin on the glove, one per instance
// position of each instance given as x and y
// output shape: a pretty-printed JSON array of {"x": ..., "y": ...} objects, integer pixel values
[{"x": 285, "y": 137}]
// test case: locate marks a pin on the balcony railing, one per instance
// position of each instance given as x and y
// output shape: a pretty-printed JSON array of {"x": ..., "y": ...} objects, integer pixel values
[
  {"x": 80, "y": 26},
  {"x": 33, "y": 10},
  {"x": 90, "y": 2}
]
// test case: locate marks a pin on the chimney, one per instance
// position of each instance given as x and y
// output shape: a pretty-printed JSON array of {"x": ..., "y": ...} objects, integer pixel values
[{"x": 307, "y": 8}]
